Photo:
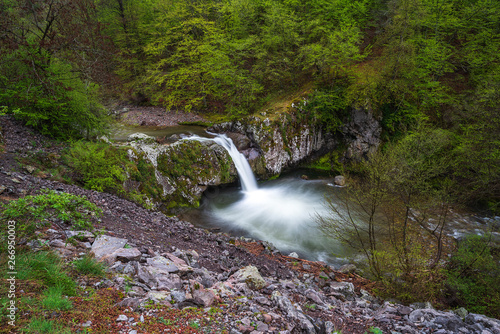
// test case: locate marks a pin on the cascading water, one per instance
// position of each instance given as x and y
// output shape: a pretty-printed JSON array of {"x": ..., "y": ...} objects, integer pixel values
[
  {"x": 280, "y": 211},
  {"x": 247, "y": 179}
]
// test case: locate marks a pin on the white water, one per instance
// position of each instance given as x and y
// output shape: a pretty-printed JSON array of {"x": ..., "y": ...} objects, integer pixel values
[
  {"x": 247, "y": 179},
  {"x": 281, "y": 212}
]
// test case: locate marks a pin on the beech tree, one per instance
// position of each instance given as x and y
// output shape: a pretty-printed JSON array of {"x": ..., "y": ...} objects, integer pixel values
[{"x": 52, "y": 55}]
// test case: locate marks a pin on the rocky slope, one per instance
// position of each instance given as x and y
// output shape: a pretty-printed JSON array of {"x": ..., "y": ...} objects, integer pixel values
[{"x": 245, "y": 286}]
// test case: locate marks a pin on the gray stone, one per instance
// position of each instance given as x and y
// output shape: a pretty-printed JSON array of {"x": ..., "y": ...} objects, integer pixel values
[
  {"x": 284, "y": 304},
  {"x": 362, "y": 134},
  {"x": 159, "y": 297},
  {"x": 306, "y": 324},
  {"x": 169, "y": 282},
  {"x": 344, "y": 289},
  {"x": 183, "y": 267},
  {"x": 162, "y": 263},
  {"x": 87, "y": 324},
  {"x": 329, "y": 327},
  {"x": 367, "y": 296},
  {"x": 104, "y": 246},
  {"x": 347, "y": 269},
  {"x": 461, "y": 312},
  {"x": 203, "y": 297},
  {"x": 143, "y": 275},
  {"x": 339, "y": 180},
  {"x": 178, "y": 296},
  {"x": 314, "y": 296},
  {"x": 293, "y": 254},
  {"x": 267, "y": 318},
  {"x": 129, "y": 269},
  {"x": 262, "y": 327},
  {"x": 490, "y": 324},
  {"x": 436, "y": 319},
  {"x": 122, "y": 317},
  {"x": 58, "y": 243},
  {"x": 262, "y": 300},
  {"x": 404, "y": 310},
  {"x": 80, "y": 235},
  {"x": 127, "y": 254},
  {"x": 29, "y": 169},
  {"x": 141, "y": 137},
  {"x": 235, "y": 331},
  {"x": 251, "y": 276},
  {"x": 241, "y": 141},
  {"x": 117, "y": 267}
]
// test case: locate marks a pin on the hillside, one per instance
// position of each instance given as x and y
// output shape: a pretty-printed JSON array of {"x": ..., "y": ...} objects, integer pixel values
[{"x": 202, "y": 285}]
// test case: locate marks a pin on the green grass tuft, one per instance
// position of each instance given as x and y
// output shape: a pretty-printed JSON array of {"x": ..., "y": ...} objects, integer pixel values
[
  {"x": 54, "y": 300},
  {"x": 47, "y": 268},
  {"x": 89, "y": 266},
  {"x": 42, "y": 326}
]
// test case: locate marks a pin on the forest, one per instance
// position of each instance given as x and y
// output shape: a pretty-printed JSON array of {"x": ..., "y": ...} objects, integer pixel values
[{"x": 429, "y": 70}]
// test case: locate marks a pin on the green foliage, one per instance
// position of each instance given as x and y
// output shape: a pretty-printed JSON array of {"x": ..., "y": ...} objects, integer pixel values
[
  {"x": 44, "y": 77},
  {"x": 100, "y": 165},
  {"x": 34, "y": 212},
  {"x": 329, "y": 106},
  {"x": 223, "y": 56},
  {"x": 197, "y": 123},
  {"x": 328, "y": 162},
  {"x": 47, "y": 268},
  {"x": 42, "y": 326},
  {"x": 54, "y": 300},
  {"x": 474, "y": 276},
  {"x": 375, "y": 330},
  {"x": 432, "y": 65},
  {"x": 386, "y": 215},
  {"x": 89, "y": 266}
]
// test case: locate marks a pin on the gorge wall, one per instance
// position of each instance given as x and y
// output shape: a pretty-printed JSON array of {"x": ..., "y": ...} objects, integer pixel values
[{"x": 185, "y": 169}]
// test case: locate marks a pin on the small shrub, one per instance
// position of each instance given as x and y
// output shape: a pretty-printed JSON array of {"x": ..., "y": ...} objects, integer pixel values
[
  {"x": 100, "y": 166},
  {"x": 33, "y": 212},
  {"x": 310, "y": 306},
  {"x": 375, "y": 330},
  {"x": 194, "y": 324},
  {"x": 474, "y": 277}
]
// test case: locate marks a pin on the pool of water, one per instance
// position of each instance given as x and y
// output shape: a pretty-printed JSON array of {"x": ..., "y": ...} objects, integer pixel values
[
  {"x": 120, "y": 131},
  {"x": 281, "y": 211}
]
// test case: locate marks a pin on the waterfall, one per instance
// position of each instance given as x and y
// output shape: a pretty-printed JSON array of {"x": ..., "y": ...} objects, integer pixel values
[
  {"x": 248, "y": 182},
  {"x": 281, "y": 211}
]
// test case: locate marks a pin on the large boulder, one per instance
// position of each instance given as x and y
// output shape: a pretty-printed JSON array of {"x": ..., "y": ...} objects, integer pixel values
[
  {"x": 159, "y": 262},
  {"x": 183, "y": 171},
  {"x": 127, "y": 254},
  {"x": 104, "y": 247}
]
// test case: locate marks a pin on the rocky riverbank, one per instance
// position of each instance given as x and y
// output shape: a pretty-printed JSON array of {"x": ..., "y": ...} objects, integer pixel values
[{"x": 242, "y": 286}]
